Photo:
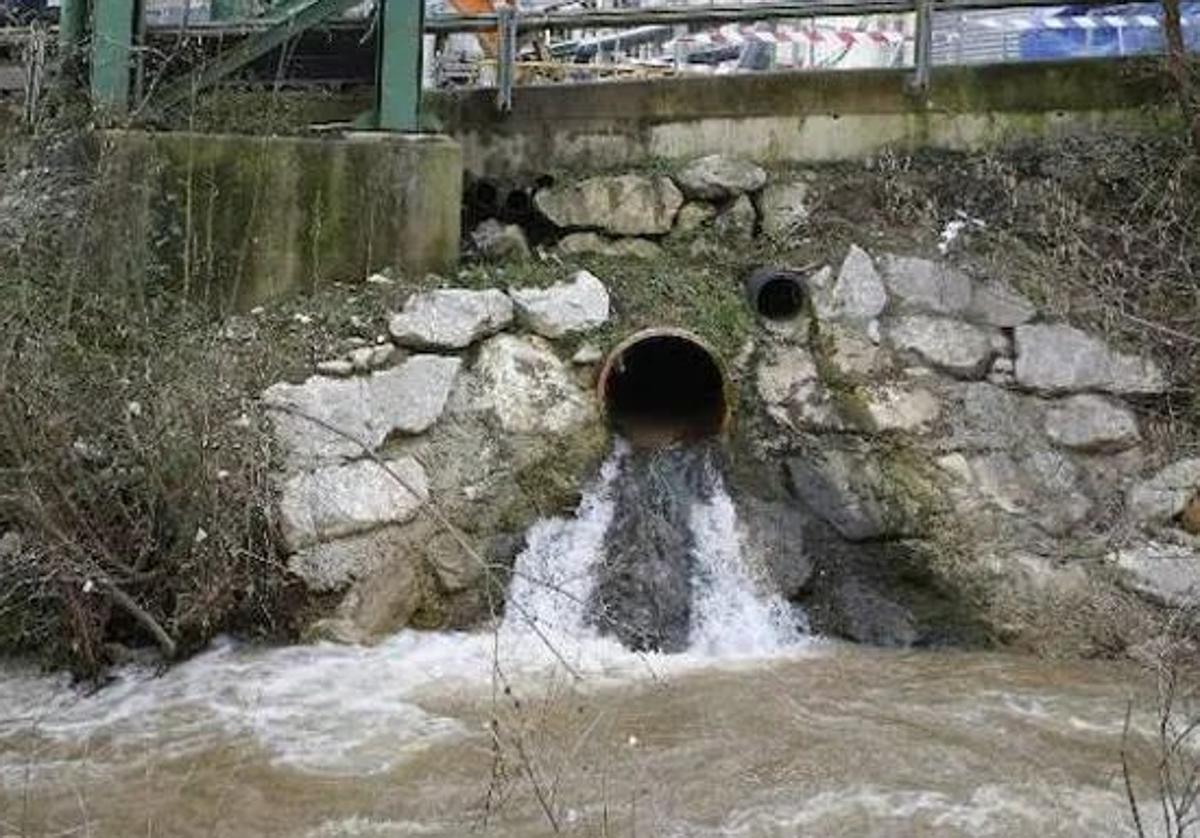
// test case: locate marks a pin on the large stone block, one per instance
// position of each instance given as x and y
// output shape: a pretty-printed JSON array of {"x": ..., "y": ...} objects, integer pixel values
[
  {"x": 1165, "y": 494},
  {"x": 1092, "y": 423},
  {"x": 1166, "y": 573},
  {"x": 624, "y": 205},
  {"x": 852, "y": 491},
  {"x": 564, "y": 308},
  {"x": 716, "y": 177},
  {"x": 1062, "y": 359},
  {"x": 529, "y": 388},
  {"x": 952, "y": 346},
  {"x": 334, "y": 418},
  {"x": 451, "y": 318},
  {"x": 236, "y": 220},
  {"x": 350, "y": 498}
]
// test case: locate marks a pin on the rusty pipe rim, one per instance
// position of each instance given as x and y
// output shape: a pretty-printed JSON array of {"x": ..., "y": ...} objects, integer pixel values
[{"x": 632, "y": 340}]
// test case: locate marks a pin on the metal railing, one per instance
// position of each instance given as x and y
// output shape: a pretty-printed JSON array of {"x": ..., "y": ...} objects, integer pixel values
[
  {"x": 923, "y": 12},
  {"x": 717, "y": 14},
  {"x": 923, "y": 19}
]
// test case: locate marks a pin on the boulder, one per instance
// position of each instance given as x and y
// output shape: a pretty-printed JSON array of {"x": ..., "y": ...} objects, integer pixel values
[
  {"x": 1166, "y": 574},
  {"x": 1160, "y": 498},
  {"x": 1039, "y": 485},
  {"x": 1092, "y": 424},
  {"x": 693, "y": 216},
  {"x": 564, "y": 308},
  {"x": 995, "y": 304},
  {"x": 858, "y": 294},
  {"x": 1035, "y": 578},
  {"x": 497, "y": 242},
  {"x": 1062, "y": 359},
  {"x": 922, "y": 286},
  {"x": 893, "y": 407},
  {"x": 408, "y": 399},
  {"x": 853, "y": 354},
  {"x": 737, "y": 220},
  {"x": 388, "y": 592},
  {"x": 850, "y": 491},
  {"x": 865, "y": 615},
  {"x": 773, "y": 538},
  {"x": 350, "y": 498},
  {"x": 529, "y": 388},
  {"x": 594, "y": 244},
  {"x": 335, "y": 565},
  {"x": 958, "y": 348},
  {"x": 623, "y": 205},
  {"x": 784, "y": 208},
  {"x": 451, "y": 318},
  {"x": 982, "y": 417},
  {"x": 790, "y": 387},
  {"x": 716, "y": 177},
  {"x": 373, "y": 357},
  {"x": 586, "y": 355},
  {"x": 820, "y": 289}
]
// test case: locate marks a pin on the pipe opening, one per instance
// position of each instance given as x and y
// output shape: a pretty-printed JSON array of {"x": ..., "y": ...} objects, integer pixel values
[
  {"x": 484, "y": 198},
  {"x": 661, "y": 386},
  {"x": 518, "y": 206},
  {"x": 775, "y": 294}
]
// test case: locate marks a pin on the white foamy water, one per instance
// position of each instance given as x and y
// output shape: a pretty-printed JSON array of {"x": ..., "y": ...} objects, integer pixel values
[
  {"x": 730, "y": 616},
  {"x": 351, "y": 709}
]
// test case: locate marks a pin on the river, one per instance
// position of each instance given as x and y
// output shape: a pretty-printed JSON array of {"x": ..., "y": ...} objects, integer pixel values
[{"x": 544, "y": 725}]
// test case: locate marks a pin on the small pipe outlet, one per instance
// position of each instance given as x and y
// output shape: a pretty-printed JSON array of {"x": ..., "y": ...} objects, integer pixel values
[{"x": 776, "y": 294}]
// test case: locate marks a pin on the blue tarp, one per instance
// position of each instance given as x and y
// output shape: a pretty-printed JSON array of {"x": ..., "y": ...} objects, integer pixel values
[{"x": 1132, "y": 39}]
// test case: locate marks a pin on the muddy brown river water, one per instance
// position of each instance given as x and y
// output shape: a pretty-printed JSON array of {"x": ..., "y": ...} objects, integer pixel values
[
  {"x": 547, "y": 726},
  {"x": 823, "y": 740}
]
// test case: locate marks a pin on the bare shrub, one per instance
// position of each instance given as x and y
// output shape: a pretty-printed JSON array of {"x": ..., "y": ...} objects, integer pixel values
[
  {"x": 132, "y": 463},
  {"x": 1171, "y": 751}
]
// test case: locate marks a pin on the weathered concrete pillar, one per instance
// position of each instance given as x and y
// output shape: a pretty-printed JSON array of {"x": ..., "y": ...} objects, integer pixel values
[{"x": 236, "y": 220}]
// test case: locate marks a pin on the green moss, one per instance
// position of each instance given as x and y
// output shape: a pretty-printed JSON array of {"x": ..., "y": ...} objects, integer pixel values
[
  {"x": 237, "y": 220},
  {"x": 703, "y": 295},
  {"x": 550, "y": 486},
  {"x": 908, "y": 474},
  {"x": 846, "y": 391}
]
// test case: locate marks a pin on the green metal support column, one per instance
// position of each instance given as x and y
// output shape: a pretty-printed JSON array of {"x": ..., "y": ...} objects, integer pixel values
[
  {"x": 112, "y": 52},
  {"x": 398, "y": 73},
  {"x": 72, "y": 22}
]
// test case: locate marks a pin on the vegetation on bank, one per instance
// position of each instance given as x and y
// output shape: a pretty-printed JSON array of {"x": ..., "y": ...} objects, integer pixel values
[{"x": 134, "y": 502}]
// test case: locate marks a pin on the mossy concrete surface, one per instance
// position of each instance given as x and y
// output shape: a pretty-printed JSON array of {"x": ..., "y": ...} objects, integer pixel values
[
  {"x": 236, "y": 220},
  {"x": 796, "y": 116}
]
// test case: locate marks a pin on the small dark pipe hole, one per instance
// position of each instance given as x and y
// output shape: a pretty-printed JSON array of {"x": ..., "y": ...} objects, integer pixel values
[
  {"x": 664, "y": 388},
  {"x": 518, "y": 206},
  {"x": 780, "y": 299},
  {"x": 486, "y": 198},
  {"x": 775, "y": 294}
]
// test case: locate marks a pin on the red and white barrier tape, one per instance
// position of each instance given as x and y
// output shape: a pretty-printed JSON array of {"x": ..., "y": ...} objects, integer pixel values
[{"x": 736, "y": 36}]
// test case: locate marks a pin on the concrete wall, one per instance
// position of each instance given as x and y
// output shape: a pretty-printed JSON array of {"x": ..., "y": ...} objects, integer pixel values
[
  {"x": 795, "y": 117},
  {"x": 237, "y": 219}
]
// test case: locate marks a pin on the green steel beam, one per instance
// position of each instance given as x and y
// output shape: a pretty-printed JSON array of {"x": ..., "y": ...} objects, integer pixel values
[
  {"x": 112, "y": 52},
  {"x": 299, "y": 17},
  {"x": 398, "y": 65},
  {"x": 229, "y": 10},
  {"x": 72, "y": 23}
]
